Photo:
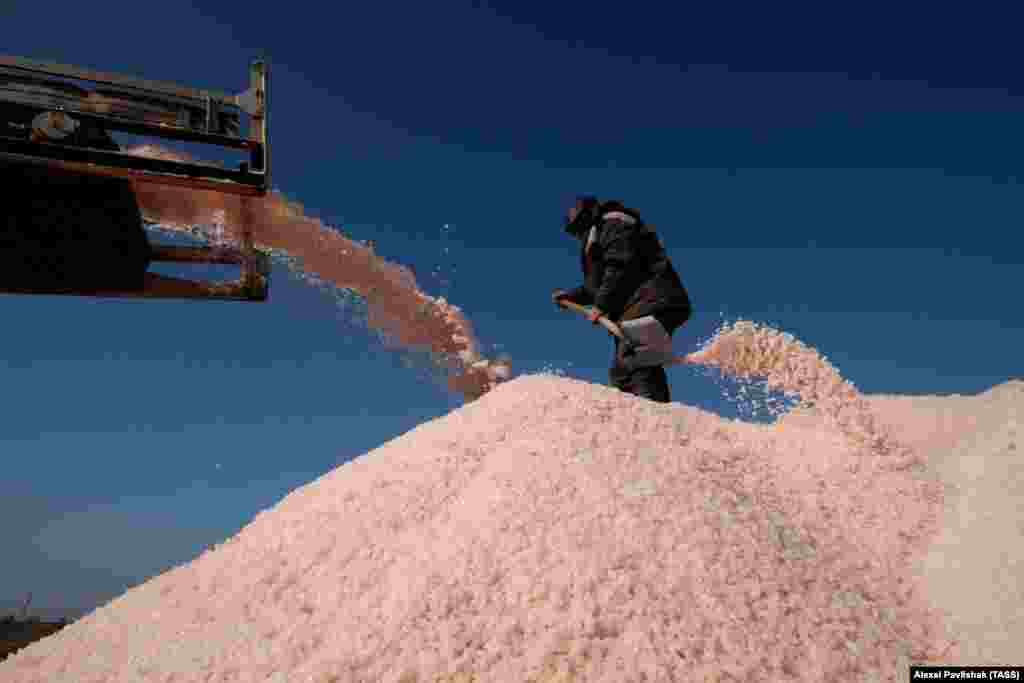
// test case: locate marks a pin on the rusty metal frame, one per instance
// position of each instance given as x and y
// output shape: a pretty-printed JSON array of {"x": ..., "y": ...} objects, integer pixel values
[{"x": 164, "y": 110}]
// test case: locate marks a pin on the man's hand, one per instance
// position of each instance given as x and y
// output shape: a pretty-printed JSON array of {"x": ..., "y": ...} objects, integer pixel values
[
  {"x": 594, "y": 314},
  {"x": 559, "y": 295}
]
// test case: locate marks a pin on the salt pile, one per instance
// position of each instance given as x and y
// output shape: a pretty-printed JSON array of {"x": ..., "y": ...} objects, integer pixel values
[{"x": 560, "y": 531}]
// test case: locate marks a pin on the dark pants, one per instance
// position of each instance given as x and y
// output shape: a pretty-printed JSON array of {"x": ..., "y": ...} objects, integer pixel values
[{"x": 650, "y": 383}]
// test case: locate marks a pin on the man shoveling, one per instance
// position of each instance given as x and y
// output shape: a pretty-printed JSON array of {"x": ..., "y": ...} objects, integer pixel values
[{"x": 629, "y": 280}]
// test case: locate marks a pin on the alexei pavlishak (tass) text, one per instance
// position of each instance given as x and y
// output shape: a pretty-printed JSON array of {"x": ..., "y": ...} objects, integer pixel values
[{"x": 966, "y": 673}]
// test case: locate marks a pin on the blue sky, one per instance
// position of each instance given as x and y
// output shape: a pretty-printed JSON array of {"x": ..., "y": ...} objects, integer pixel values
[{"x": 854, "y": 181}]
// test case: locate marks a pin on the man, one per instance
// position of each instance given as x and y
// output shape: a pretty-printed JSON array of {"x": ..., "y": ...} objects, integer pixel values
[{"x": 629, "y": 279}]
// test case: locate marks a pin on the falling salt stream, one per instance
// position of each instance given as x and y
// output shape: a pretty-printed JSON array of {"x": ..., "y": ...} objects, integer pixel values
[
  {"x": 557, "y": 531},
  {"x": 746, "y": 350},
  {"x": 397, "y": 309}
]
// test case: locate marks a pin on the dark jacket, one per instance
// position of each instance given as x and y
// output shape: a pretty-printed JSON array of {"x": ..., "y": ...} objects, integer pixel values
[{"x": 626, "y": 272}]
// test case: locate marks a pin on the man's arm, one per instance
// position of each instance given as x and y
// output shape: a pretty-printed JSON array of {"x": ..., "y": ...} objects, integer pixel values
[
  {"x": 579, "y": 295},
  {"x": 617, "y": 244}
]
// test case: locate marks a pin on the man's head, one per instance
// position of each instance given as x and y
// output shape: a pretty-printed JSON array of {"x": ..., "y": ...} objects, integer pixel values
[{"x": 581, "y": 215}]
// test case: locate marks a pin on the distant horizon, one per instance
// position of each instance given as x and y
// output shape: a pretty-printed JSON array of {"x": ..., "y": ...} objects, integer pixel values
[{"x": 45, "y": 613}]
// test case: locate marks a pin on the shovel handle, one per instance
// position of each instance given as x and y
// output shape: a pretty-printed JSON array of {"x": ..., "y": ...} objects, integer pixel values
[
  {"x": 617, "y": 331},
  {"x": 605, "y": 322}
]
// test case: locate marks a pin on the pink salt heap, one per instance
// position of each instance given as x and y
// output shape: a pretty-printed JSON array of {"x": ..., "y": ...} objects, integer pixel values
[{"x": 560, "y": 531}]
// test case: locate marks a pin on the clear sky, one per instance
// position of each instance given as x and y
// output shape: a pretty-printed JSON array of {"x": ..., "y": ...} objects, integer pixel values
[{"x": 851, "y": 179}]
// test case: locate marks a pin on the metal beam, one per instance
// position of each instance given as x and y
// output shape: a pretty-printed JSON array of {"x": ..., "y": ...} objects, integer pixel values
[
  {"x": 133, "y": 82},
  {"x": 164, "y": 287},
  {"x": 142, "y": 169}
]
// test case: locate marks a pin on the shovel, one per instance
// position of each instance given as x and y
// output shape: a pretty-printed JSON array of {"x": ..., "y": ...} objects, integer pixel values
[{"x": 617, "y": 332}]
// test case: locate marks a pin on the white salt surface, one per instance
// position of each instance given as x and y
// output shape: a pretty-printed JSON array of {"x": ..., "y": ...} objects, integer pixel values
[{"x": 559, "y": 531}]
